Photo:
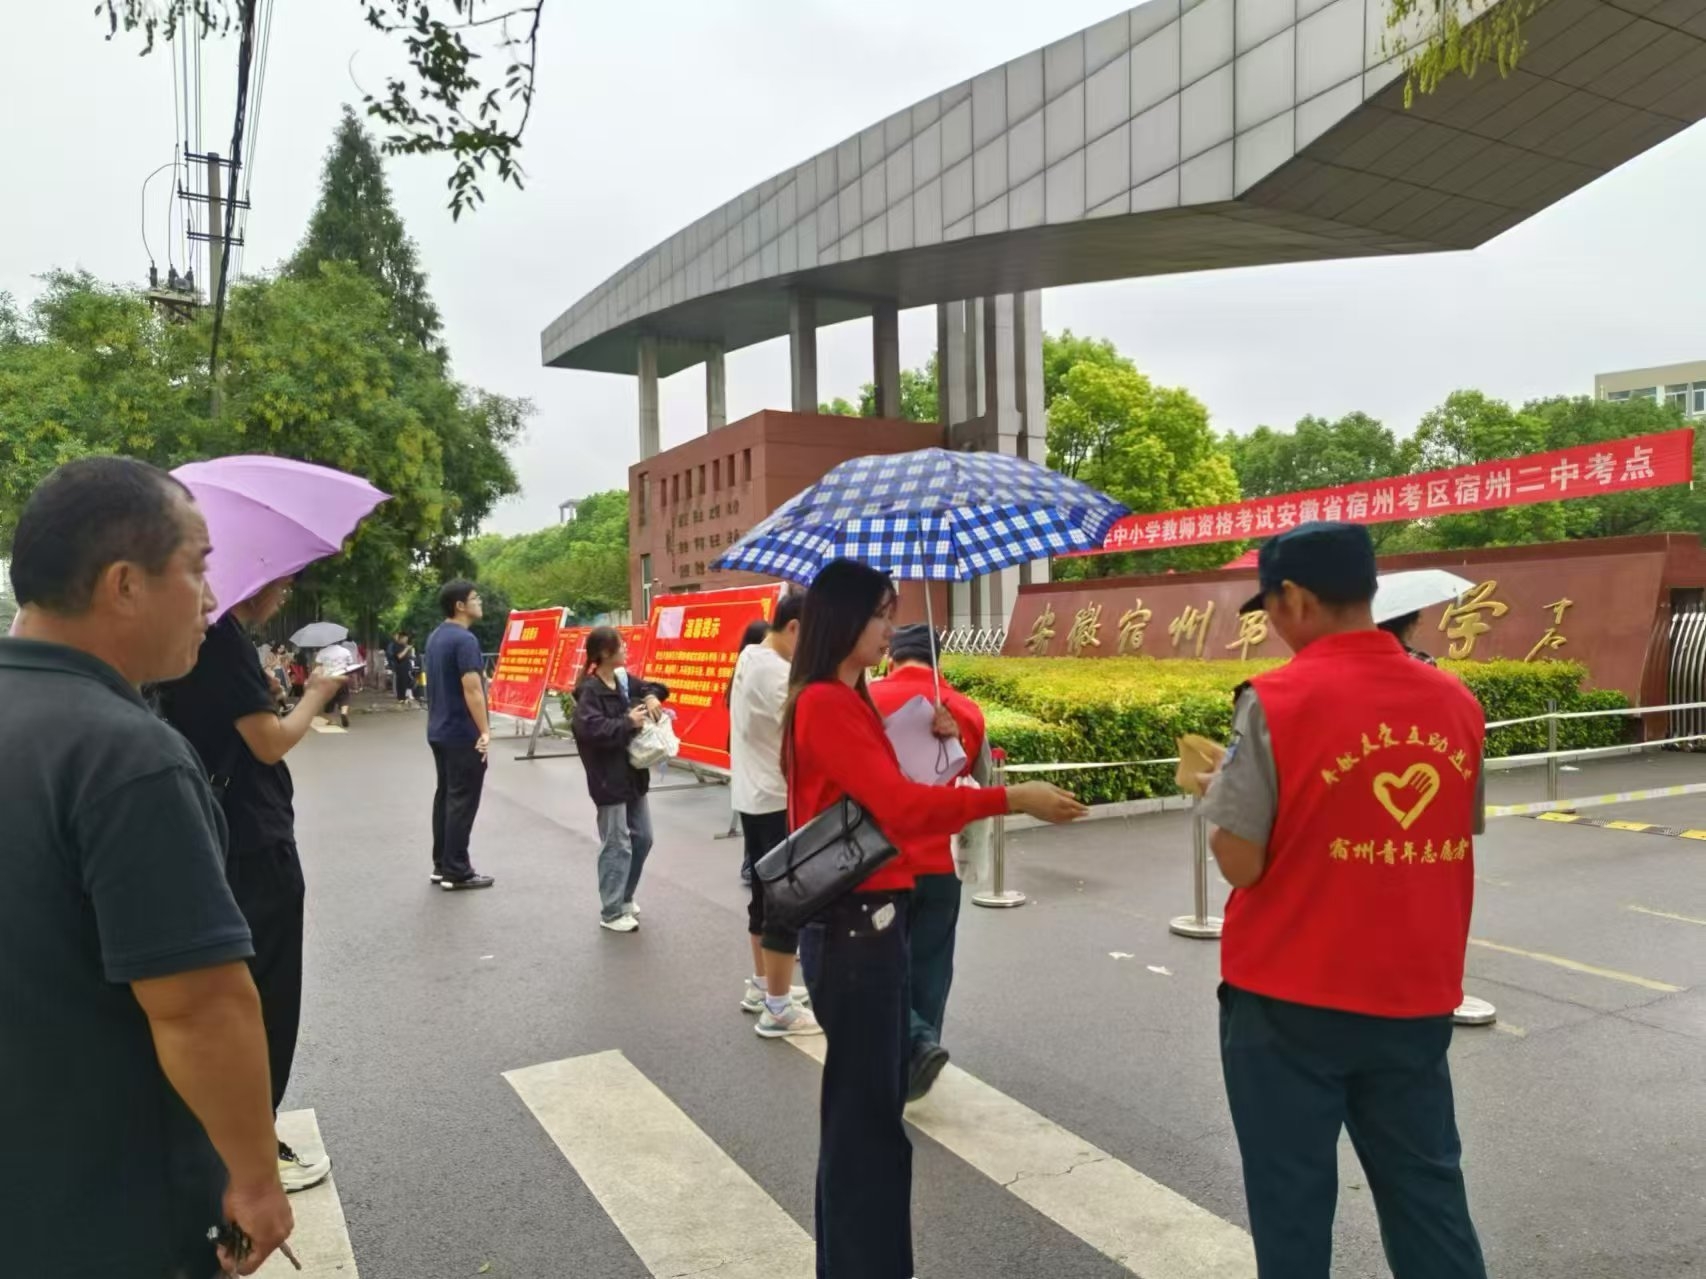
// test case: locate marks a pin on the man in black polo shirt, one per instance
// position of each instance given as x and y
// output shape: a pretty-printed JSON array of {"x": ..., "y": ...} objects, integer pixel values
[
  {"x": 133, "y": 1069},
  {"x": 225, "y": 708}
]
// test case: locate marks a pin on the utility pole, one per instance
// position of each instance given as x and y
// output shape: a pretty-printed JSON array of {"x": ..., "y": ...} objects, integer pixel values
[{"x": 216, "y": 248}]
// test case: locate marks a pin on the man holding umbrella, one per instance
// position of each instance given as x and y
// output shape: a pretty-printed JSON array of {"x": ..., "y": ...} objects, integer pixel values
[{"x": 265, "y": 515}]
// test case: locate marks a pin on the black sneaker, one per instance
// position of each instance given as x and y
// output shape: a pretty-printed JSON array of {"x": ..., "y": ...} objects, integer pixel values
[
  {"x": 927, "y": 1063},
  {"x": 473, "y": 881}
]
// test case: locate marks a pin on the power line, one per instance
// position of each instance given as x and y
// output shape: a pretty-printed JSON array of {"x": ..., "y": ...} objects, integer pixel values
[{"x": 245, "y": 55}]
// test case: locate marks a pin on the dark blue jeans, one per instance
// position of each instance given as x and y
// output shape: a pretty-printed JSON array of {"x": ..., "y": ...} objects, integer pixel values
[
  {"x": 1294, "y": 1076},
  {"x": 935, "y": 917},
  {"x": 854, "y": 955}
]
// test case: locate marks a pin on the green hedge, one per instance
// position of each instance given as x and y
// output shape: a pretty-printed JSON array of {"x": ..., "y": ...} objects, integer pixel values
[{"x": 1061, "y": 710}]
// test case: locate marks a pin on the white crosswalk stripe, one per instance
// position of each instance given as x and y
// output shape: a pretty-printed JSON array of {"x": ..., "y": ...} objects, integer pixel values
[
  {"x": 1151, "y": 1230},
  {"x": 321, "y": 1238},
  {"x": 684, "y": 1206}
]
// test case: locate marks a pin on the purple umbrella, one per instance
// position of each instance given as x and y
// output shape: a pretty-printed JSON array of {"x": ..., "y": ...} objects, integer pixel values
[{"x": 270, "y": 517}]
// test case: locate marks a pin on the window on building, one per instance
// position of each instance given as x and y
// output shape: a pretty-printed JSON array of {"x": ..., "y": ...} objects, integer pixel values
[
  {"x": 1617, "y": 395},
  {"x": 717, "y": 475},
  {"x": 645, "y": 496},
  {"x": 663, "y": 493},
  {"x": 1700, "y": 397},
  {"x": 675, "y": 490},
  {"x": 645, "y": 586},
  {"x": 701, "y": 480},
  {"x": 1645, "y": 393},
  {"x": 729, "y": 469},
  {"x": 746, "y": 466},
  {"x": 1676, "y": 395}
]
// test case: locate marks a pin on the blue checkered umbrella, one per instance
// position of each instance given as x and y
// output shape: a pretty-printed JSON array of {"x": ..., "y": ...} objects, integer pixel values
[{"x": 934, "y": 514}]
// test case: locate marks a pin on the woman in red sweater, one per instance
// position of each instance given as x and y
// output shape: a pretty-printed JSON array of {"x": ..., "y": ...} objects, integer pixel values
[{"x": 855, "y": 952}]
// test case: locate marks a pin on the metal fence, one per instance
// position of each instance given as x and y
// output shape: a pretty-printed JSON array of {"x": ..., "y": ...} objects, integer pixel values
[
  {"x": 1687, "y": 682},
  {"x": 974, "y": 641}
]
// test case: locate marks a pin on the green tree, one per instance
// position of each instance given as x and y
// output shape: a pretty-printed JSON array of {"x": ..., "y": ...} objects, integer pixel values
[
  {"x": 1317, "y": 453},
  {"x": 1065, "y": 351},
  {"x": 1150, "y": 447},
  {"x": 917, "y": 397},
  {"x": 581, "y": 565},
  {"x": 356, "y": 222}
]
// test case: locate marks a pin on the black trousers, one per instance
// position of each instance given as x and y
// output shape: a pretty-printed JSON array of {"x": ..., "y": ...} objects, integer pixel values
[
  {"x": 935, "y": 918},
  {"x": 855, "y": 956},
  {"x": 267, "y": 883},
  {"x": 1294, "y": 1076},
  {"x": 762, "y": 832},
  {"x": 461, "y": 778}
]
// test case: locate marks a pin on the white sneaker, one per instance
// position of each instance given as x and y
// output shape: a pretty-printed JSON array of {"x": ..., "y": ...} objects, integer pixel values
[
  {"x": 631, "y": 908},
  {"x": 621, "y": 924},
  {"x": 752, "y": 999},
  {"x": 298, "y": 1173},
  {"x": 793, "y": 1021}
]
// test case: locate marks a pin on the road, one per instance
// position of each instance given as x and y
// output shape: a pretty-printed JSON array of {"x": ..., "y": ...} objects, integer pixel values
[{"x": 642, "y": 1128}]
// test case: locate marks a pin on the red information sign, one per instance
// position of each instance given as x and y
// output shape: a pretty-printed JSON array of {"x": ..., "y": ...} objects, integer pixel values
[
  {"x": 569, "y": 659},
  {"x": 691, "y": 649},
  {"x": 1587, "y": 470},
  {"x": 524, "y": 662}
]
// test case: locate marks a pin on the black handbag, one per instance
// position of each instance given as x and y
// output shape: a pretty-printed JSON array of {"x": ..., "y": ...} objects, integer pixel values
[{"x": 826, "y": 858}]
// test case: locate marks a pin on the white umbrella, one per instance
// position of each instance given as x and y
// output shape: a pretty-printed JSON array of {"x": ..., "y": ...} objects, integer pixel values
[
  {"x": 319, "y": 634},
  {"x": 1410, "y": 592}
]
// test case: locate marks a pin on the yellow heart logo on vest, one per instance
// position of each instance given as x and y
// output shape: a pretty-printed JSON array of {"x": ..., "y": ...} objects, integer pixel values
[{"x": 1426, "y": 783}]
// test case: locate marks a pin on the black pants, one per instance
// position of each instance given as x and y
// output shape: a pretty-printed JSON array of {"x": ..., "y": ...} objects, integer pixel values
[
  {"x": 1294, "y": 1076},
  {"x": 855, "y": 956},
  {"x": 461, "y": 778},
  {"x": 267, "y": 883},
  {"x": 401, "y": 680},
  {"x": 762, "y": 832},
  {"x": 935, "y": 919}
]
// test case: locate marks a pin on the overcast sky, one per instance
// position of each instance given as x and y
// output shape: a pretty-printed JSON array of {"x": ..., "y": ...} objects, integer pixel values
[{"x": 651, "y": 114}]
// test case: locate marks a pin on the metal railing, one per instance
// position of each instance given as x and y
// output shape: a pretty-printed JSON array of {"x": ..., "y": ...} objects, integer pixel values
[{"x": 974, "y": 641}]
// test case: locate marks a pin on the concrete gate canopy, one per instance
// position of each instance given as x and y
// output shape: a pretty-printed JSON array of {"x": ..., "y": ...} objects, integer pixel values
[{"x": 1182, "y": 135}]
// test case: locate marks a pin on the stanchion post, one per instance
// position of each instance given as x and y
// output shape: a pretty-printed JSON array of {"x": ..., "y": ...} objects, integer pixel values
[
  {"x": 1200, "y": 924},
  {"x": 999, "y": 895},
  {"x": 1552, "y": 749}
]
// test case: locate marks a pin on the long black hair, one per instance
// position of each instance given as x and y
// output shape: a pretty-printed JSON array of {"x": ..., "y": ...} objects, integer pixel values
[
  {"x": 601, "y": 642},
  {"x": 844, "y": 597}
]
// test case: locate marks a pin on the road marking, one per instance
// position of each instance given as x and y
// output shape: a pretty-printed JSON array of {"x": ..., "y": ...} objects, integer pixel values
[
  {"x": 1665, "y": 914},
  {"x": 1142, "y": 1225},
  {"x": 681, "y": 1203},
  {"x": 1628, "y": 825},
  {"x": 1546, "y": 808},
  {"x": 1646, "y": 983},
  {"x": 321, "y": 1237},
  {"x": 1556, "y": 817},
  {"x": 1691, "y": 834}
]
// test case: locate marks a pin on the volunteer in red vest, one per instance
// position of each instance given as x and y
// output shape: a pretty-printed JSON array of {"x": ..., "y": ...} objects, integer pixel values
[
  {"x": 1343, "y": 817},
  {"x": 936, "y": 887}
]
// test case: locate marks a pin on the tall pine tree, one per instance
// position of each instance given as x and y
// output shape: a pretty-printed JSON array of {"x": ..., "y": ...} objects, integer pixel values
[{"x": 355, "y": 222}]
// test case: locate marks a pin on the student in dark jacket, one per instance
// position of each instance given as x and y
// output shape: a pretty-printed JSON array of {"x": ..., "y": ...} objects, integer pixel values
[{"x": 610, "y": 709}]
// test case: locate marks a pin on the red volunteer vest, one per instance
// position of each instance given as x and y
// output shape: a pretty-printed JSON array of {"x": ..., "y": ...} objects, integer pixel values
[
  {"x": 1364, "y": 905},
  {"x": 933, "y": 855}
]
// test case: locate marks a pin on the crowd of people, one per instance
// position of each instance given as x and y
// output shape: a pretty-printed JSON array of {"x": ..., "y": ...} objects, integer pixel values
[{"x": 152, "y": 930}]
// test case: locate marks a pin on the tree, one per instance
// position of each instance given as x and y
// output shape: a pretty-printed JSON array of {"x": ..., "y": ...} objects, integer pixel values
[
  {"x": 917, "y": 397},
  {"x": 1064, "y": 352},
  {"x": 1152, "y": 448},
  {"x": 446, "y": 105},
  {"x": 1318, "y": 454},
  {"x": 1447, "y": 43},
  {"x": 356, "y": 222},
  {"x": 581, "y": 564}
]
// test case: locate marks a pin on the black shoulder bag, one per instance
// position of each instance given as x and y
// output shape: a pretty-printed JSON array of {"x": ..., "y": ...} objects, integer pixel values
[{"x": 825, "y": 859}]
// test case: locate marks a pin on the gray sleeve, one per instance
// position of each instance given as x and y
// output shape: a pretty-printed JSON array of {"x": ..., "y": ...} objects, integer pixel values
[
  {"x": 153, "y": 864},
  {"x": 1244, "y": 796},
  {"x": 1479, "y": 823}
]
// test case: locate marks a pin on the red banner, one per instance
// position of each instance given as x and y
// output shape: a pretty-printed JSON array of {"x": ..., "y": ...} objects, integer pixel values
[
  {"x": 692, "y": 647},
  {"x": 1587, "y": 470},
  {"x": 569, "y": 659},
  {"x": 524, "y": 662}
]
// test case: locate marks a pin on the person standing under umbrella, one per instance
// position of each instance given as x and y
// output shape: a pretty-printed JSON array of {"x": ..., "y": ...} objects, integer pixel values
[
  {"x": 225, "y": 708},
  {"x": 855, "y": 951},
  {"x": 459, "y": 732}
]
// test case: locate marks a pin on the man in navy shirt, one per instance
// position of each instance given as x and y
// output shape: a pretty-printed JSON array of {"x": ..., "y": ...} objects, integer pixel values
[{"x": 458, "y": 732}]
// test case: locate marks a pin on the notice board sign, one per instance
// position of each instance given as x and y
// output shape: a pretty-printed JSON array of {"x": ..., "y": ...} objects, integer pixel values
[
  {"x": 691, "y": 649},
  {"x": 524, "y": 662},
  {"x": 568, "y": 662}
]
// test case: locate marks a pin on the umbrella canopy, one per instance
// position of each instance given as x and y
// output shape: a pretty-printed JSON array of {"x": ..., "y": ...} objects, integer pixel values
[
  {"x": 271, "y": 517},
  {"x": 319, "y": 634},
  {"x": 933, "y": 515},
  {"x": 1399, "y": 593}
]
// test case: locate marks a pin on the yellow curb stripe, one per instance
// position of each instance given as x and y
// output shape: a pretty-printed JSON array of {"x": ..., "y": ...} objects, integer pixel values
[
  {"x": 1665, "y": 914},
  {"x": 1575, "y": 966},
  {"x": 1629, "y": 825}
]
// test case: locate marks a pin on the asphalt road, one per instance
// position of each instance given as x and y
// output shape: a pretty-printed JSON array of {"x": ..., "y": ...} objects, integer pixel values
[{"x": 1582, "y": 1110}]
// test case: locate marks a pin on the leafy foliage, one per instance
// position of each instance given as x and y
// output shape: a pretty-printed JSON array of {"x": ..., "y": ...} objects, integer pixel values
[
  {"x": 582, "y": 564},
  {"x": 446, "y": 105},
  {"x": 917, "y": 397},
  {"x": 1317, "y": 453},
  {"x": 1448, "y": 44},
  {"x": 1080, "y": 710}
]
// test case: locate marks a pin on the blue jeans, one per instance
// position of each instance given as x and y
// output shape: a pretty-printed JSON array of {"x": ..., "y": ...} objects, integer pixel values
[
  {"x": 1294, "y": 1076},
  {"x": 935, "y": 917},
  {"x": 625, "y": 832},
  {"x": 856, "y": 971}
]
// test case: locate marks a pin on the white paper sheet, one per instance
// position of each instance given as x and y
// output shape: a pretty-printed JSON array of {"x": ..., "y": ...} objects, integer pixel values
[{"x": 924, "y": 757}]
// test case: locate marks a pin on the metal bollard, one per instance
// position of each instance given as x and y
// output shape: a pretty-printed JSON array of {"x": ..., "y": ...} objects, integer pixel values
[
  {"x": 999, "y": 895},
  {"x": 1201, "y": 924},
  {"x": 1552, "y": 749}
]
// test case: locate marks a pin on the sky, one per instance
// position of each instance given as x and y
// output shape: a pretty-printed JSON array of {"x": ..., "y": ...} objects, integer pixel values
[{"x": 649, "y": 115}]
